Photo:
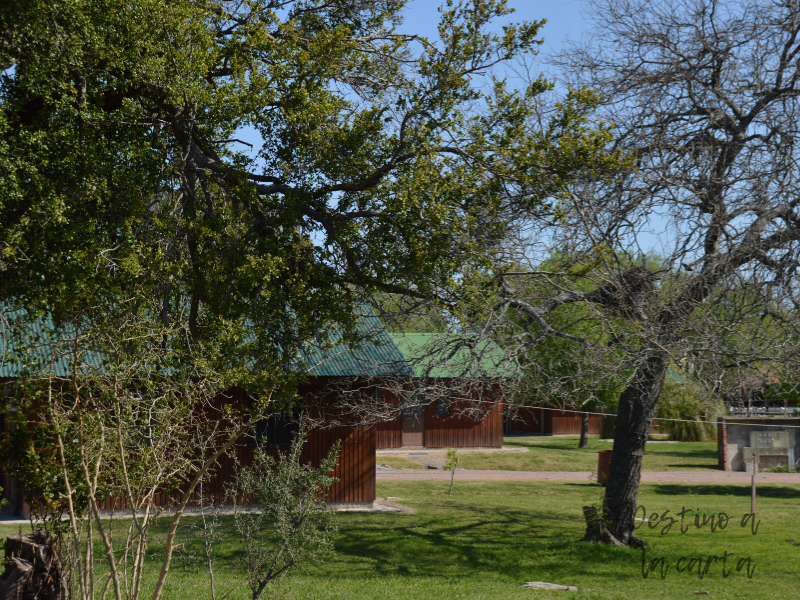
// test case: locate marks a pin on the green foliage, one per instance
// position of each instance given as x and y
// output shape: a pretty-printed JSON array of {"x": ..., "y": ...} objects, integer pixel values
[
  {"x": 451, "y": 462},
  {"x": 696, "y": 409},
  {"x": 560, "y": 371},
  {"x": 291, "y": 523},
  {"x": 383, "y": 166},
  {"x": 29, "y": 454},
  {"x": 783, "y": 469}
]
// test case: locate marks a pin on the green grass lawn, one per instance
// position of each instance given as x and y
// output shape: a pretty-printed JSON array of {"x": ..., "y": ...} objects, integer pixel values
[
  {"x": 398, "y": 462},
  {"x": 561, "y": 453},
  {"x": 491, "y": 537}
]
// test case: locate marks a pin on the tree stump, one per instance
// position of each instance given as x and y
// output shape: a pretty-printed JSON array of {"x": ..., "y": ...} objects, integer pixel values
[
  {"x": 32, "y": 569},
  {"x": 595, "y": 528}
]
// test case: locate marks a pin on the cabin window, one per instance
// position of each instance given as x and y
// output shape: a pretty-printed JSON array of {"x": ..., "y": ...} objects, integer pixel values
[
  {"x": 277, "y": 430},
  {"x": 412, "y": 411},
  {"x": 442, "y": 407}
]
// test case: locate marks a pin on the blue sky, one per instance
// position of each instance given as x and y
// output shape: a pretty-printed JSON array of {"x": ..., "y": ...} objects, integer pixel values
[
  {"x": 563, "y": 18},
  {"x": 422, "y": 16}
]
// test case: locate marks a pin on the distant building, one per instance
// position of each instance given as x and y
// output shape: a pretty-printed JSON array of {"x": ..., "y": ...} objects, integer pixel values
[
  {"x": 459, "y": 402},
  {"x": 769, "y": 441}
]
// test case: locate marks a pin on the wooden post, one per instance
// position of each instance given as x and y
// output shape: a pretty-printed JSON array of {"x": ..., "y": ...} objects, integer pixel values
[{"x": 753, "y": 484}]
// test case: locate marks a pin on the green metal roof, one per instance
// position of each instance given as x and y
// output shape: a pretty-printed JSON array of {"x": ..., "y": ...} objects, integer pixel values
[
  {"x": 43, "y": 348},
  {"x": 378, "y": 356},
  {"x": 450, "y": 356}
]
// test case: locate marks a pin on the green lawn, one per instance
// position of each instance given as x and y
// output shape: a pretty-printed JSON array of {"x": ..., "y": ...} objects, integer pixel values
[
  {"x": 398, "y": 462},
  {"x": 561, "y": 453},
  {"x": 491, "y": 537}
]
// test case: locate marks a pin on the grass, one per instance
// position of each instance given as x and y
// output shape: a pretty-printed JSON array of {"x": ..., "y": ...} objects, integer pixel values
[
  {"x": 398, "y": 462},
  {"x": 561, "y": 453},
  {"x": 491, "y": 537}
]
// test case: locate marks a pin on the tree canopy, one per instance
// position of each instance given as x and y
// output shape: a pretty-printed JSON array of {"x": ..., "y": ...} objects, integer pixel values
[
  {"x": 703, "y": 95},
  {"x": 134, "y": 230}
]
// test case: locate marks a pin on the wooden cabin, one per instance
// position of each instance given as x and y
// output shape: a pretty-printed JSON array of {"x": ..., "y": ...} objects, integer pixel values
[
  {"x": 356, "y": 467},
  {"x": 549, "y": 420},
  {"x": 552, "y": 420},
  {"x": 465, "y": 407}
]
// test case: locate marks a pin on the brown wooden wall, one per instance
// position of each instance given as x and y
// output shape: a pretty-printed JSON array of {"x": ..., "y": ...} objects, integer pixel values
[
  {"x": 551, "y": 421},
  {"x": 389, "y": 434},
  {"x": 355, "y": 469},
  {"x": 526, "y": 420},
  {"x": 569, "y": 422},
  {"x": 463, "y": 431},
  {"x": 456, "y": 431},
  {"x": 555, "y": 421}
]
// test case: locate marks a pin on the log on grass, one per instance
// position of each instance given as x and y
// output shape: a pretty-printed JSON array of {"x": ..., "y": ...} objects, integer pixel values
[{"x": 32, "y": 569}]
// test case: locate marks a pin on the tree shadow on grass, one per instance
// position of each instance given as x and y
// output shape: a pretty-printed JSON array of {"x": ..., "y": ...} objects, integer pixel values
[
  {"x": 763, "y": 491},
  {"x": 511, "y": 542},
  {"x": 473, "y": 541},
  {"x": 700, "y": 453},
  {"x": 692, "y": 466}
]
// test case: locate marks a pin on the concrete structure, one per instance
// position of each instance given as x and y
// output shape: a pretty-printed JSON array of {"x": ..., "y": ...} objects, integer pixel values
[{"x": 773, "y": 440}]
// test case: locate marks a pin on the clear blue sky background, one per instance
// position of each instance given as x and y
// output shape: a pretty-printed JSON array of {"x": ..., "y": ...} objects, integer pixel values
[{"x": 563, "y": 18}]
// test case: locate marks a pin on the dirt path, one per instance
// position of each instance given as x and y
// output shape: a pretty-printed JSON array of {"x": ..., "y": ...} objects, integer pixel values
[{"x": 710, "y": 476}]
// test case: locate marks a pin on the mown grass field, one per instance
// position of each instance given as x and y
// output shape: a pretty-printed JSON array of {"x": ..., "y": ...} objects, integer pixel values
[
  {"x": 561, "y": 453},
  {"x": 491, "y": 537}
]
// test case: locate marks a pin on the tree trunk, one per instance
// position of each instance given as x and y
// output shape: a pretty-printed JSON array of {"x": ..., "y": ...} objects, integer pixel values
[
  {"x": 637, "y": 407},
  {"x": 584, "y": 443},
  {"x": 607, "y": 423}
]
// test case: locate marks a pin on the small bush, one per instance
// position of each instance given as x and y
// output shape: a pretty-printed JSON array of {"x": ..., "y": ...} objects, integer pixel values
[
  {"x": 292, "y": 523},
  {"x": 783, "y": 469},
  {"x": 696, "y": 411}
]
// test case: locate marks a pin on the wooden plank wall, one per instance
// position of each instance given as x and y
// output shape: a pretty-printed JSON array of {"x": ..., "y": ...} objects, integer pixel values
[
  {"x": 462, "y": 431},
  {"x": 389, "y": 434},
  {"x": 456, "y": 431},
  {"x": 569, "y": 422},
  {"x": 355, "y": 469},
  {"x": 558, "y": 422},
  {"x": 526, "y": 420}
]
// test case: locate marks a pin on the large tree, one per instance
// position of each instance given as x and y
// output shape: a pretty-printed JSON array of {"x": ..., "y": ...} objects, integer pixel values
[
  {"x": 704, "y": 98},
  {"x": 383, "y": 159},
  {"x": 132, "y": 225}
]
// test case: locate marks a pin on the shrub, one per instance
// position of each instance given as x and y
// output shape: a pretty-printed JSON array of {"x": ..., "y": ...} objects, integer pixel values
[{"x": 695, "y": 409}]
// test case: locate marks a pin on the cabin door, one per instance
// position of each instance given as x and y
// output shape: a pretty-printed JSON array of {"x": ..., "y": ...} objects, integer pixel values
[{"x": 413, "y": 426}]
